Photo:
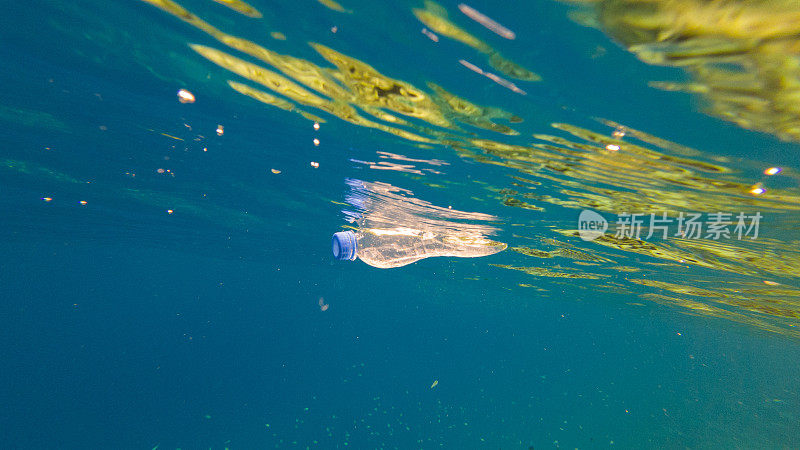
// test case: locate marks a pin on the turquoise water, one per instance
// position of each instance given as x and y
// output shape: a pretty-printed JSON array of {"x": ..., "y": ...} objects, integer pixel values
[{"x": 193, "y": 301}]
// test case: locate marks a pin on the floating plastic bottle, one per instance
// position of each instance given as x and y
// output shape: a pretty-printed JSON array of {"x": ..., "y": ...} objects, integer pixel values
[
  {"x": 385, "y": 249},
  {"x": 395, "y": 230}
]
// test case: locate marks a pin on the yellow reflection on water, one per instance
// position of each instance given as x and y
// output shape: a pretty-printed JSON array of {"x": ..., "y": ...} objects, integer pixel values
[
  {"x": 616, "y": 169},
  {"x": 241, "y": 7},
  {"x": 330, "y": 4},
  {"x": 435, "y": 17},
  {"x": 742, "y": 55}
]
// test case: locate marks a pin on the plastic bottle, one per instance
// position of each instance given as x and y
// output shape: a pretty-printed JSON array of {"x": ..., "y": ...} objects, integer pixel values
[
  {"x": 395, "y": 247},
  {"x": 395, "y": 228}
]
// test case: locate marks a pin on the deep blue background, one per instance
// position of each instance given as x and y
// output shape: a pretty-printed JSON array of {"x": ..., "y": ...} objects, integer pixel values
[{"x": 125, "y": 327}]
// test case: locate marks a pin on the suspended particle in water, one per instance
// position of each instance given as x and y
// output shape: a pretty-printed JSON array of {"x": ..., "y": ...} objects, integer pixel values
[
  {"x": 484, "y": 20},
  {"x": 185, "y": 96},
  {"x": 316, "y": 125},
  {"x": 83, "y": 202},
  {"x": 47, "y": 199},
  {"x": 435, "y": 383},
  {"x": 314, "y": 164},
  {"x": 430, "y": 35},
  {"x": 220, "y": 130},
  {"x": 316, "y": 142},
  {"x": 757, "y": 189},
  {"x": 612, "y": 147},
  {"x": 275, "y": 171},
  {"x": 278, "y": 35},
  {"x": 169, "y": 211},
  {"x": 160, "y": 170},
  {"x": 773, "y": 171}
]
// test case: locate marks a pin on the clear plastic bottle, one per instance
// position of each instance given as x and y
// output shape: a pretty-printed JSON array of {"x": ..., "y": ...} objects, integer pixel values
[
  {"x": 395, "y": 247},
  {"x": 395, "y": 228}
]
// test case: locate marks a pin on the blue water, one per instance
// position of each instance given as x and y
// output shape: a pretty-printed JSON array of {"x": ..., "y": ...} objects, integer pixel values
[{"x": 125, "y": 326}]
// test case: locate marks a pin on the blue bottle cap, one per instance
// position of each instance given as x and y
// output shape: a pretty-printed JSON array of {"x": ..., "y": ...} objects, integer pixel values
[{"x": 344, "y": 245}]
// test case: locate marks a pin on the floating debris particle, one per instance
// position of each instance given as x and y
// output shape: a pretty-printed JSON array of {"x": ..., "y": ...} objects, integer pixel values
[
  {"x": 316, "y": 142},
  {"x": 501, "y": 81},
  {"x": 171, "y": 136},
  {"x": 275, "y": 171},
  {"x": 169, "y": 211},
  {"x": 220, "y": 130},
  {"x": 773, "y": 171},
  {"x": 484, "y": 20},
  {"x": 316, "y": 126},
  {"x": 47, "y": 199},
  {"x": 185, "y": 96},
  {"x": 278, "y": 35},
  {"x": 314, "y": 164},
  {"x": 435, "y": 383},
  {"x": 430, "y": 35}
]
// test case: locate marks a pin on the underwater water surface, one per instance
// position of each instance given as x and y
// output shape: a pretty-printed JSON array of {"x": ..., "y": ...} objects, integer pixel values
[{"x": 171, "y": 173}]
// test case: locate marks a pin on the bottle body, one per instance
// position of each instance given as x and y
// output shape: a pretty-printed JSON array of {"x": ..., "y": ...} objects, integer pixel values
[
  {"x": 396, "y": 229},
  {"x": 396, "y": 247},
  {"x": 386, "y": 249}
]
